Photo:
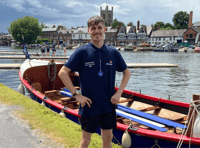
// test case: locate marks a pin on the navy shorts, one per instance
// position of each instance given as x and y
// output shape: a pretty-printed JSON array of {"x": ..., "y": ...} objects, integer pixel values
[{"x": 106, "y": 121}]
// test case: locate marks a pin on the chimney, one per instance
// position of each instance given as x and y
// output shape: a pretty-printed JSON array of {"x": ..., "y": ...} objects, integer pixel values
[
  {"x": 158, "y": 27},
  {"x": 190, "y": 19},
  {"x": 138, "y": 25}
]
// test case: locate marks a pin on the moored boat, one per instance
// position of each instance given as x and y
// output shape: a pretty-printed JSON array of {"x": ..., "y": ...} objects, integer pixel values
[
  {"x": 156, "y": 121},
  {"x": 197, "y": 50}
]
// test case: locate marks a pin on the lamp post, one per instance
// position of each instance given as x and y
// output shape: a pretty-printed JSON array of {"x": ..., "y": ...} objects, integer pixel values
[
  {"x": 136, "y": 39},
  {"x": 126, "y": 36}
]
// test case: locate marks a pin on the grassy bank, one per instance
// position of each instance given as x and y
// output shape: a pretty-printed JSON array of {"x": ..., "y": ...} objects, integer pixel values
[{"x": 52, "y": 124}]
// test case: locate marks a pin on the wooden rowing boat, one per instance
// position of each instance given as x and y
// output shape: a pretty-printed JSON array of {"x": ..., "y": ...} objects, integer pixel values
[{"x": 150, "y": 121}]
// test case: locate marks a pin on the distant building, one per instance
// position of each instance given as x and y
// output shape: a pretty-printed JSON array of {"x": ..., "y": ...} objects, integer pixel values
[
  {"x": 110, "y": 35},
  {"x": 48, "y": 32},
  {"x": 107, "y": 15},
  {"x": 80, "y": 35},
  {"x": 62, "y": 36},
  {"x": 166, "y": 36},
  {"x": 192, "y": 34},
  {"x": 134, "y": 34}
]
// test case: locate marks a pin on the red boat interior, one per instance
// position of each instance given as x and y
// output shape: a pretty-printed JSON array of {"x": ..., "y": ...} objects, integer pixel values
[{"x": 40, "y": 78}]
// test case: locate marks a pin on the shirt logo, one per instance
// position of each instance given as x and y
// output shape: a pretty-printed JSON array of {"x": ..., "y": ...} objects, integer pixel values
[
  {"x": 109, "y": 63},
  {"x": 89, "y": 64}
]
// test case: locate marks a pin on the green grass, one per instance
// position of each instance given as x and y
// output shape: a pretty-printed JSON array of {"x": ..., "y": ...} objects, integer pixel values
[{"x": 39, "y": 117}]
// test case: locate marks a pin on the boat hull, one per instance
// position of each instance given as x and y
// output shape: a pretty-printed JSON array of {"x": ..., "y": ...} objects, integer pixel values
[
  {"x": 138, "y": 135},
  {"x": 137, "y": 139}
]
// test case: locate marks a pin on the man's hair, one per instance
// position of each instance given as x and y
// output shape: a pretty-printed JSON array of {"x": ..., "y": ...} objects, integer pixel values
[{"x": 94, "y": 20}]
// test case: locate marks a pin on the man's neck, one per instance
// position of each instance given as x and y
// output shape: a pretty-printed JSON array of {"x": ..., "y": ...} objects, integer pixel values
[{"x": 98, "y": 44}]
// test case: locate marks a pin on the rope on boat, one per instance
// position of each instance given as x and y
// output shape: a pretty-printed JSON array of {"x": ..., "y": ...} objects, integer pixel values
[
  {"x": 117, "y": 141},
  {"x": 192, "y": 117},
  {"x": 156, "y": 144},
  {"x": 126, "y": 131},
  {"x": 51, "y": 63},
  {"x": 30, "y": 62}
]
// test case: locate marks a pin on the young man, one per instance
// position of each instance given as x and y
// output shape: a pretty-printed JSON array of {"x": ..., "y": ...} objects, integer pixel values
[{"x": 97, "y": 65}]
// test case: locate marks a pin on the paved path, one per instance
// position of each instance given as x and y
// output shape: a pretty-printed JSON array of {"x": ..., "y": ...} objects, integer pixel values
[{"x": 15, "y": 134}]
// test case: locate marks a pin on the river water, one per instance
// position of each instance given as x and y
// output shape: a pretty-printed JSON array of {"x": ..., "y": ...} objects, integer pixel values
[{"x": 179, "y": 83}]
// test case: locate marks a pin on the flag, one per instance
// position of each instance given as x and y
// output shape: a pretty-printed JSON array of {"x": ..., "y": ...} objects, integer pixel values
[{"x": 25, "y": 49}]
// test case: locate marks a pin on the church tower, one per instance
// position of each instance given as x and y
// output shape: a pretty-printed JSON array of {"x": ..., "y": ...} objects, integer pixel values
[{"x": 107, "y": 15}]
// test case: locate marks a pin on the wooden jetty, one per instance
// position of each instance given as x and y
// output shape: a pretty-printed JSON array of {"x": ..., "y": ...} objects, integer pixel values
[
  {"x": 18, "y": 53},
  {"x": 4, "y": 51},
  {"x": 151, "y": 65},
  {"x": 130, "y": 65},
  {"x": 35, "y": 57}
]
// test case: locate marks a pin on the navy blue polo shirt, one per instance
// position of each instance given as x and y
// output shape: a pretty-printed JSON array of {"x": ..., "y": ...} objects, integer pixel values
[{"x": 89, "y": 60}]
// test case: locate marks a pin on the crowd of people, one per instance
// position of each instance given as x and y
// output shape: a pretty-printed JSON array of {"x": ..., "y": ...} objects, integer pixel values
[{"x": 45, "y": 50}]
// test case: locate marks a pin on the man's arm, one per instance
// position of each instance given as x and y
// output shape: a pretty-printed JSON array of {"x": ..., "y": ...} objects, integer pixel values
[
  {"x": 65, "y": 78},
  {"x": 116, "y": 97}
]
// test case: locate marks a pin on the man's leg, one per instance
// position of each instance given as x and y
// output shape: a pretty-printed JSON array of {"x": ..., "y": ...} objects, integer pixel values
[
  {"x": 85, "y": 139},
  {"x": 107, "y": 137}
]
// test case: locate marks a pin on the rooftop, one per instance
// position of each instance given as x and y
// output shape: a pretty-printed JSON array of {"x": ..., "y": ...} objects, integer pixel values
[
  {"x": 49, "y": 29},
  {"x": 163, "y": 33}
]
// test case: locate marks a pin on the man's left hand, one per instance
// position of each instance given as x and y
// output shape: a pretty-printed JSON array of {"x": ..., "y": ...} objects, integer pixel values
[{"x": 115, "y": 98}]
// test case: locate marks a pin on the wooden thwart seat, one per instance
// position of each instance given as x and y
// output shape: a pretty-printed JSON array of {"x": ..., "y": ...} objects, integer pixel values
[{"x": 151, "y": 108}]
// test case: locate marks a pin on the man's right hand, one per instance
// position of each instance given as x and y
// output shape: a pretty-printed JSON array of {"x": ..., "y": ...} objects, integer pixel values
[{"x": 83, "y": 100}]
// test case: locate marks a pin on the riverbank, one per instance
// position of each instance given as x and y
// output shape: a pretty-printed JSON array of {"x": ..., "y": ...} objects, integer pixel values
[{"x": 56, "y": 131}]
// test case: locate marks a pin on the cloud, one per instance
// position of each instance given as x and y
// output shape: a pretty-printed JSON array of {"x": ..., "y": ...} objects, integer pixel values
[
  {"x": 15, "y": 4},
  {"x": 77, "y": 12},
  {"x": 120, "y": 2}
]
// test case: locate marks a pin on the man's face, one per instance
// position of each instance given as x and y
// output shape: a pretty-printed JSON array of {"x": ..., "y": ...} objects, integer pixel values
[{"x": 96, "y": 31}]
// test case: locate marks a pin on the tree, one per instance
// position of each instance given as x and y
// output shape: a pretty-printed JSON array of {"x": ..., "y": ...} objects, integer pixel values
[
  {"x": 115, "y": 23},
  {"x": 42, "y": 25},
  {"x": 8, "y": 28},
  {"x": 181, "y": 20},
  {"x": 161, "y": 24},
  {"x": 130, "y": 24},
  {"x": 106, "y": 24},
  {"x": 168, "y": 25},
  {"x": 167, "y": 28},
  {"x": 26, "y": 26}
]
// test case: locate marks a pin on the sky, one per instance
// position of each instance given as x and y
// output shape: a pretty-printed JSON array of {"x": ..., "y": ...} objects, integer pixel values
[{"x": 73, "y": 13}]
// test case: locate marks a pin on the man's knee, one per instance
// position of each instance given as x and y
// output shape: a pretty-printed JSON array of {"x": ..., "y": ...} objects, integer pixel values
[
  {"x": 85, "y": 141},
  {"x": 107, "y": 137}
]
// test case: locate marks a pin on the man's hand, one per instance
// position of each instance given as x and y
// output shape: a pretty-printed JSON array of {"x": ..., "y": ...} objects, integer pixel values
[
  {"x": 115, "y": 98},
  {"x": 83, "y": 100}
]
